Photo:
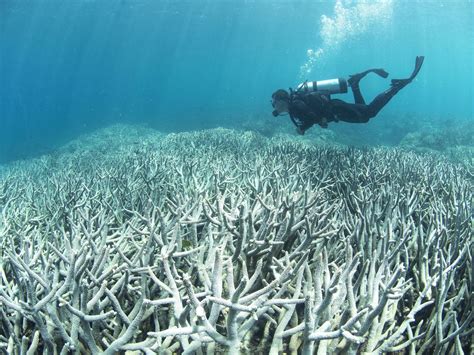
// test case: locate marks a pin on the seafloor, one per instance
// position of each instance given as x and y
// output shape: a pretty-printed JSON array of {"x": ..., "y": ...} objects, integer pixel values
[{"x": 220, "y": 241}]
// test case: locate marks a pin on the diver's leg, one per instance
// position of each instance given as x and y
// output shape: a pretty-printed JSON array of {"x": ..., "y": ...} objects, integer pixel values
[
  {"x": 358, "y": 99},
  {"x": 354, "y": 83},
  {"x": 382, "y": 99},
  {"x": 397, "y": 84},
  {"x": 352, "y": 113}
]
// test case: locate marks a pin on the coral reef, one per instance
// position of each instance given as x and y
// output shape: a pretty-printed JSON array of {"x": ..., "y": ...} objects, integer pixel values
[
  {"x": 217, "y": 241},
  {"x": 452, "y": 138},
  {"x": 283, "y": 128},
  {"x": 441, "y": 138},
  {"x": 456, "y": 141}
]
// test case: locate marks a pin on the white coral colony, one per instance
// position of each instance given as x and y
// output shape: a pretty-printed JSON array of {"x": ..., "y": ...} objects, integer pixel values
[{"x": 216, "y": 241}]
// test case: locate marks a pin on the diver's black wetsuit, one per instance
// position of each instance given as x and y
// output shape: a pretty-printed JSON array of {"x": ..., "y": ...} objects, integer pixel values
[{"x": 307, "y": 109}]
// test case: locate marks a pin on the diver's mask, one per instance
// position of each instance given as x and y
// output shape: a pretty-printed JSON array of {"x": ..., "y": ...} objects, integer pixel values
[{"x": 275, "y": 112}]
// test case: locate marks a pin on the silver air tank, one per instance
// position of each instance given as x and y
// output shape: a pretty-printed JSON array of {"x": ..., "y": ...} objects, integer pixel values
[{"x": 328, "y": 87}]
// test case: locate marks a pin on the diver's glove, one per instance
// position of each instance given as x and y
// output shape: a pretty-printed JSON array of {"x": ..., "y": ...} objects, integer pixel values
[
  {"x": 323, "y": 123},
  {"x": 300, "y": 131}
]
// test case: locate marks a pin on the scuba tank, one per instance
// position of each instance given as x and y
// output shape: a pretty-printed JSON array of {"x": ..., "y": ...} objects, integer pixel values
[{"x": 328, "y": 87}]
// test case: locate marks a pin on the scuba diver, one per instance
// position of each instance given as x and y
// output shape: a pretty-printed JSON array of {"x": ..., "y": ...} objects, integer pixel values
[{"x": 311, "y": 102}]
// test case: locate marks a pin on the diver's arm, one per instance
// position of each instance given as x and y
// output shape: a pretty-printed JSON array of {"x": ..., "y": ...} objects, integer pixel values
[
  {"x": 305, "y": 116},
  {"x": 304, "y": 125},
  {"x": 322, "y": 107},
  {"x": 302, "y": 116}
]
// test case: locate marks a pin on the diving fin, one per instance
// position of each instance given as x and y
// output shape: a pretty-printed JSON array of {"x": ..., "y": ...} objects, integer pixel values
[
  {"x": 418, "y": 64},
  {"x": 380, "y": 72},
  {"x": 403, "y": 82},
  {"x": 354, "y": 79}
]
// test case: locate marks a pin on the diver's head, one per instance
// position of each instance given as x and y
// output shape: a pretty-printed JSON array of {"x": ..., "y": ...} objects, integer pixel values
[{"x": 280, "y": 102}]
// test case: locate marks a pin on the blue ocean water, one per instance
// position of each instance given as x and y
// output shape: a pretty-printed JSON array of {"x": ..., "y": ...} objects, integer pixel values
[{"x": 69, "y": 67}]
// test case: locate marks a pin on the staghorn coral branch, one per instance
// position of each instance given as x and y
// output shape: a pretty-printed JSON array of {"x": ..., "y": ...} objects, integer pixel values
[{"x": 284, "y": 244}]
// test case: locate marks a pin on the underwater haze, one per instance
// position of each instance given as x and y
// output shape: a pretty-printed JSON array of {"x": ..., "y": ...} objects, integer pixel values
[{"x": 70, "y": 67}]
